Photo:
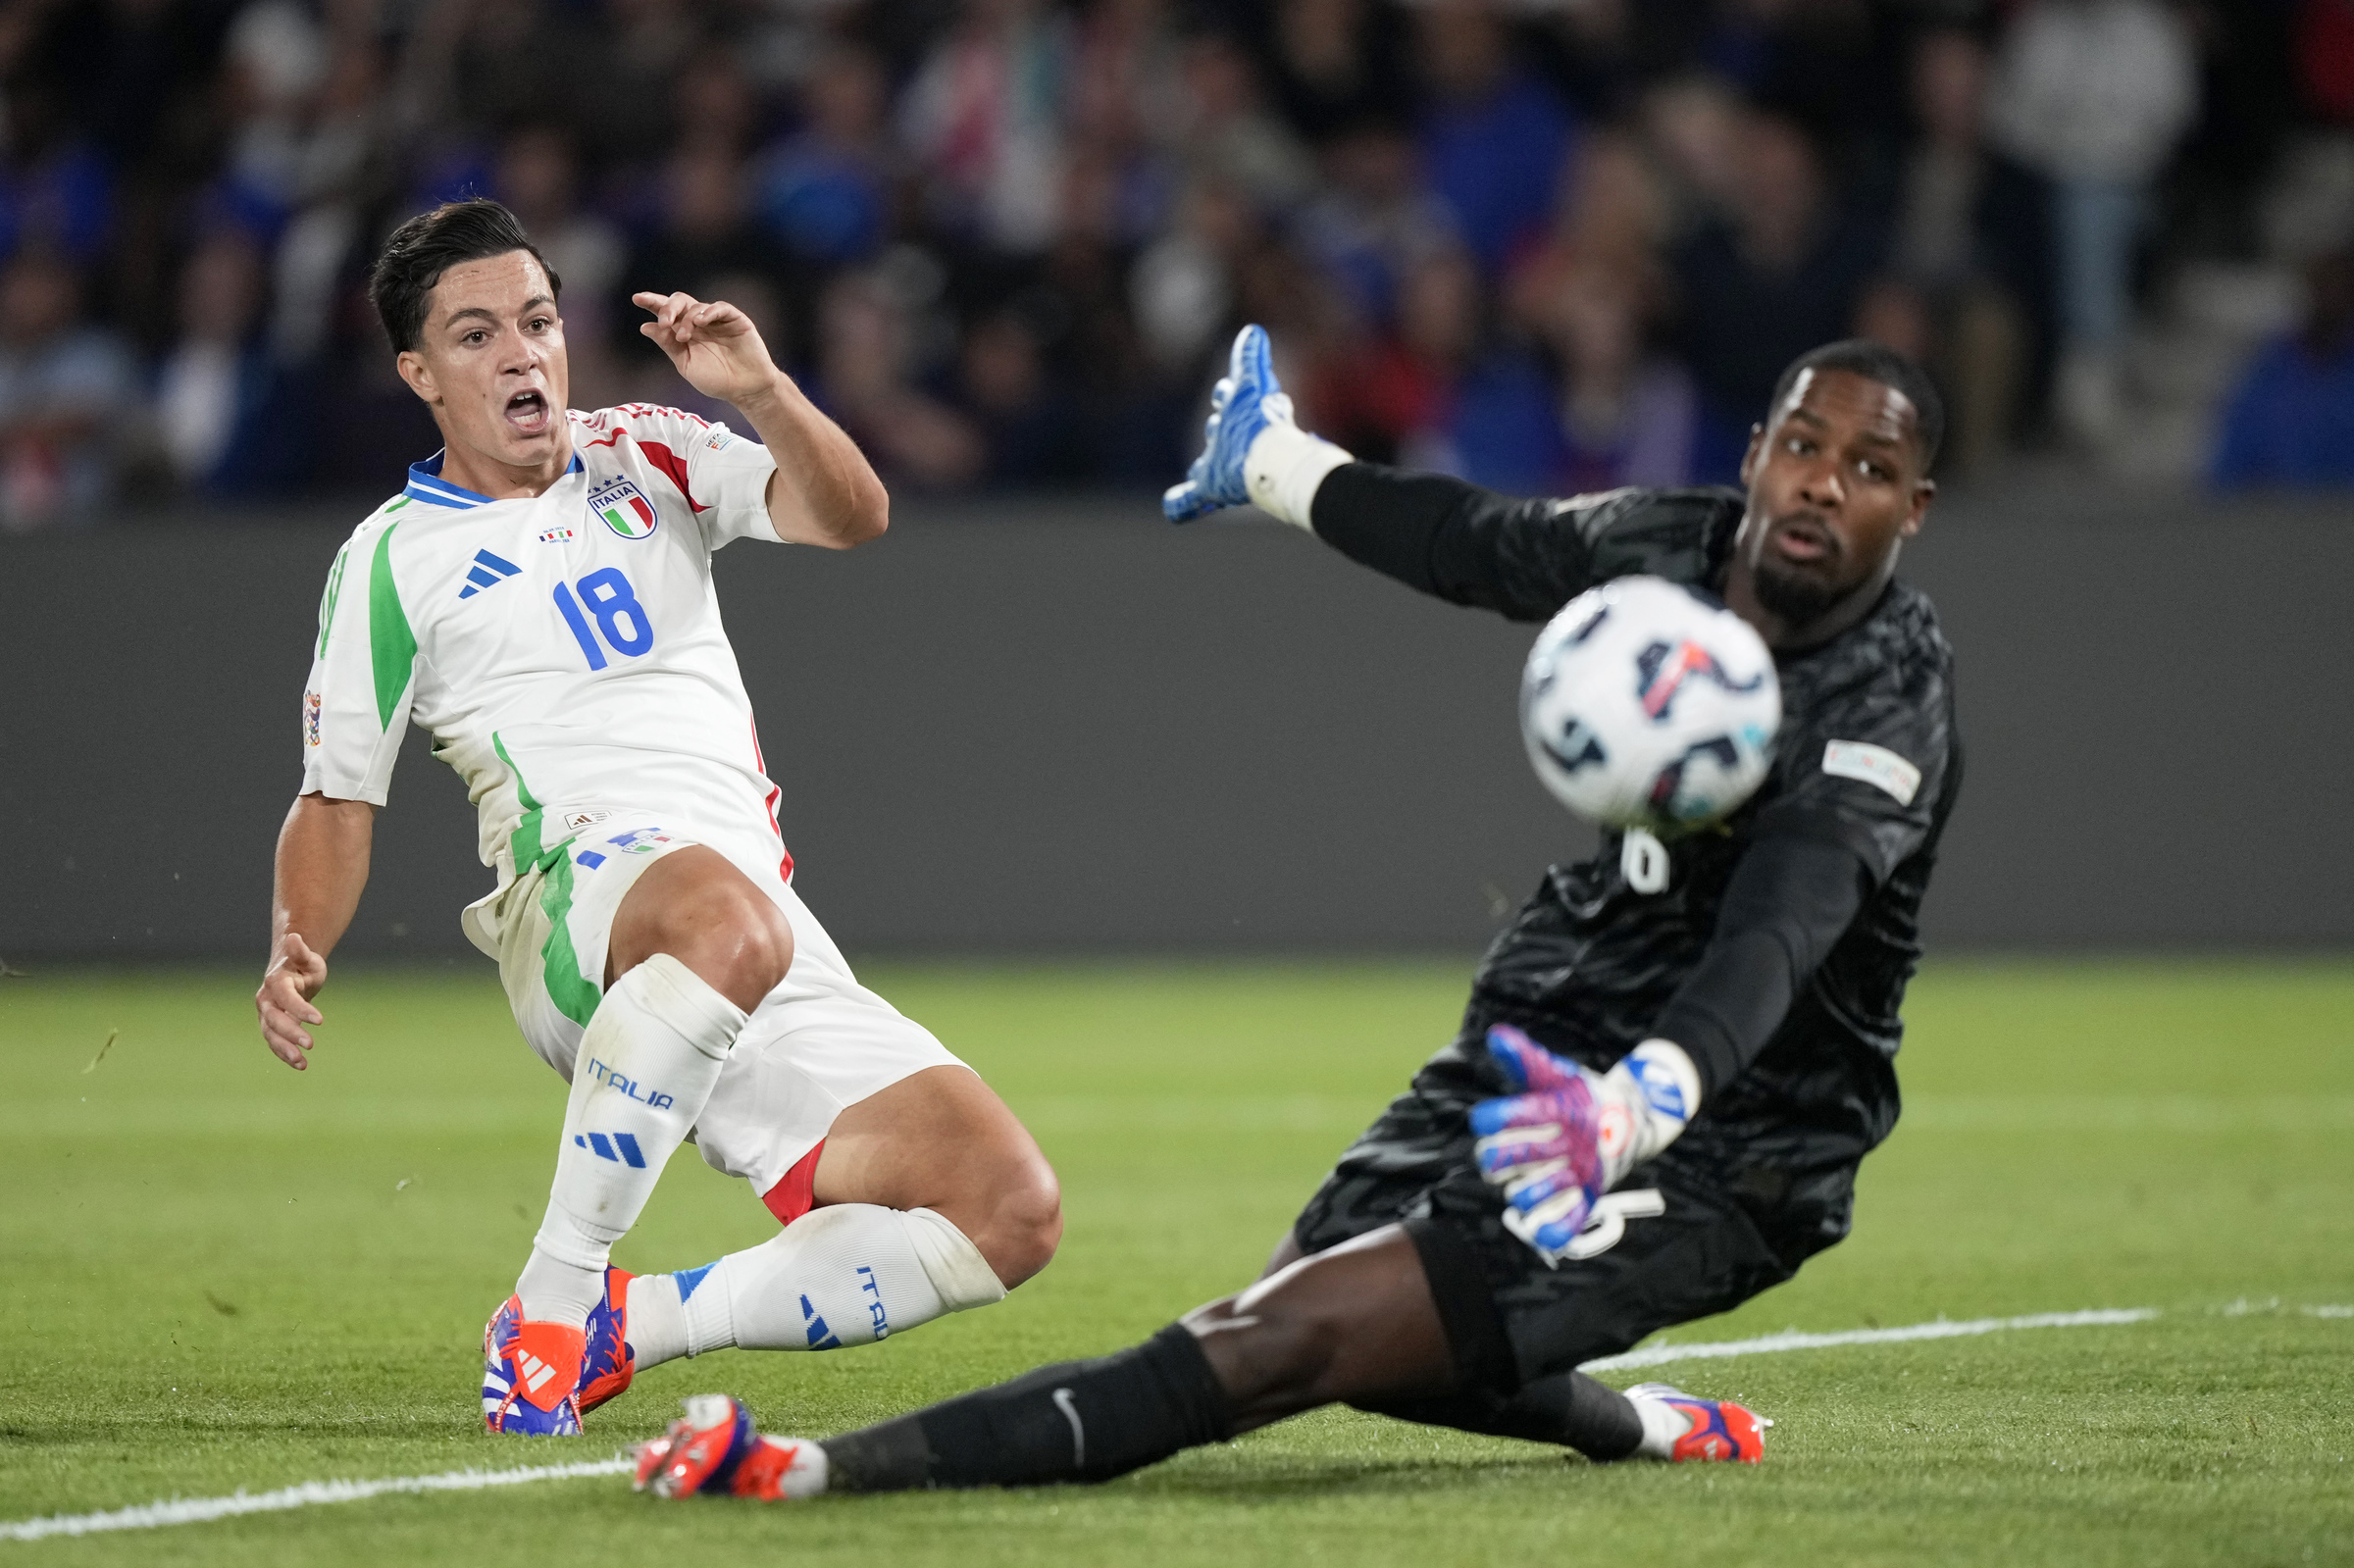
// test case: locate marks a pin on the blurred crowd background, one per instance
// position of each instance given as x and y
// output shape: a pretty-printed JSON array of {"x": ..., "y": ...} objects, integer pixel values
[{"x": 1551, "y": 246}]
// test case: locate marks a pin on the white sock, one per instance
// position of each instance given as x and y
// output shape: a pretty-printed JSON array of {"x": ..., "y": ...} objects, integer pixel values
[
  {"x": 646, "y": 1065},
  {"x": 1285, "y": 465},
  {"x": 847, "y": 1273},
  {"x": 1663, "y": 1425}
]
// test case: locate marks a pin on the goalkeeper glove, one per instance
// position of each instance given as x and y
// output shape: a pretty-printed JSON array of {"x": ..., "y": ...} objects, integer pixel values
[{"x": 1570, "y": 1134}]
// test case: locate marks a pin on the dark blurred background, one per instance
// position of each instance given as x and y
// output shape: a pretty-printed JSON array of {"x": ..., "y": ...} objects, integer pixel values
[{"x": 1551, "y": 246}]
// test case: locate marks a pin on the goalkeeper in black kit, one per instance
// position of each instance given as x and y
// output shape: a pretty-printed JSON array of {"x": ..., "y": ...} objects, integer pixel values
[{"x": 1657, "y": 1101}]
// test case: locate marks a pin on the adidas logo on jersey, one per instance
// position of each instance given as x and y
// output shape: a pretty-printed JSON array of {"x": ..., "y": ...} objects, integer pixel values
[{"x": 488, "y": 571}]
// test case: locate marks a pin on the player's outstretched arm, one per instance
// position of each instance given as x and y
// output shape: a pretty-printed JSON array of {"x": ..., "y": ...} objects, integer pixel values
[
  {"x": 824, "y": 492},
  {"x": 322, "y": 867},
  {"x": 1441, "y": 536}
]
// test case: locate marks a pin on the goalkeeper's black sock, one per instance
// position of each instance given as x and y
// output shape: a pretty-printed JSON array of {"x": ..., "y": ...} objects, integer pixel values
[
  {"x": 1573, "y": 1411},
  {"x": 1079, "y": 1421}
]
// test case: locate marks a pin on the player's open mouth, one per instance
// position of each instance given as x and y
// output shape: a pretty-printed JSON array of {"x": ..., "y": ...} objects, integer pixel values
[
  {"x": 527, "y": 412},
  {"x": 1803, "y": 538}
]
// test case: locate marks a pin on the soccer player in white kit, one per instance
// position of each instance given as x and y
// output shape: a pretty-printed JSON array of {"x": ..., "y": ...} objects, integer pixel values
[{"x": 538, "y": 597}]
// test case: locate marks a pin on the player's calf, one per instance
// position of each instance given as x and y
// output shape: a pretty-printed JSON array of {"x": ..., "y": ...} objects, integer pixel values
[{"x": 646, "y": 1068}]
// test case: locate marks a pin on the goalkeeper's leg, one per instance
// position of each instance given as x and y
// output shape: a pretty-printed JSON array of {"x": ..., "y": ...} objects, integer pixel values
[{"x": 1358, "y": 1322}]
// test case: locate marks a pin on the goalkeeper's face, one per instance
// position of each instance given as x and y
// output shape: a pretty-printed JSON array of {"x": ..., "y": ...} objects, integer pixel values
[
  {"x": 1835, "y": 486},
  {"x": 489, "y": 360}
]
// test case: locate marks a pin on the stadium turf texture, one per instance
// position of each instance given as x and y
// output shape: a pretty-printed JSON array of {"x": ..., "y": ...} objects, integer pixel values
[{"x": 220, "y": 1274}]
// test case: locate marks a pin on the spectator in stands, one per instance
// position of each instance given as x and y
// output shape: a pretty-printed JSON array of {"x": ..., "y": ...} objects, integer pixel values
[
  {"x": 1395, "y": 399},
  {"x": 703, "y": 234},
  {"x": 66, "y": 387},
  {"x": 825, "y": 192},
  {"x": 2290, "y": 424},
  {"x": 1030, "y": 427},
  {"x": 1612, "y": 222},
  {"x": 1692, "y": 126},
  {"x": 716, "y": 105},
  {"x": 1973, "y": 244},
  {"x": 984, "y": 119},
  {"x": 1626, "y": 414},
  {"x": 213, "y": 388},
  {"x": 1336, "y": 64},
  {"x": 1494, "y": 135},
  {"x": 1226, "y": 133},
  {"x": 1184, "y": 286},
  {"x": 57, "y": 190},
  {"x": 1591, "y": 409},
  {"x": 2094, "y": 96},
  {"x": 1375, "y": 218},
  {"x": 1785, "y": 273},
  {"x": 867, "y": 380}
]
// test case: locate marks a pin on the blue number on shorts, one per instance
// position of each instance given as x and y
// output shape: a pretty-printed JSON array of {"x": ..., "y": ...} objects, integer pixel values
[
  {"x": 619, "y": 616},
  {"x": 609, "y": 598}
]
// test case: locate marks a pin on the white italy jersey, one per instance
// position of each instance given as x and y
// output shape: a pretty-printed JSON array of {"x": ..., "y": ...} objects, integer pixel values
[{"x": 565, "y": 651}]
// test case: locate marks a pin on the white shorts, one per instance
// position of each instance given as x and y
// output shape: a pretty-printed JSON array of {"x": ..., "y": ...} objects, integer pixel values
[{"x": 818, "y": 1043}]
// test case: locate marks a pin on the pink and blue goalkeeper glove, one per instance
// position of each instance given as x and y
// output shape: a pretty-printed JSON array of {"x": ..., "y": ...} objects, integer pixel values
[{"x": 1570, "y": 1133}]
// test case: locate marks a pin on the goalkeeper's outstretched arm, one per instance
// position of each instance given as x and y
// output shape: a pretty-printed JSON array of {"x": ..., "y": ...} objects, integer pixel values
[
  {"x": 1442, "y": 536},
  {"x": 322, "y": 867}
]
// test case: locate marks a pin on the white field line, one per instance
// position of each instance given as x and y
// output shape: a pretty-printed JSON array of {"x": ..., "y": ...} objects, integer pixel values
[
  {"x": 1771, "y": 1343},
  {"x": 196, "y": 1510}
]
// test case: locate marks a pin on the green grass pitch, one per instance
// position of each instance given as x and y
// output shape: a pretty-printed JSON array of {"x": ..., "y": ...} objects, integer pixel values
[{"x": 220, "y": 1274}]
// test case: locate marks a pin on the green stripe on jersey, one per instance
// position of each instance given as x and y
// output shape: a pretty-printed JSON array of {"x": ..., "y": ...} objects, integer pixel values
[
  {"x": 572, "y": 993},
  {"x": 391, "y": 644},
  {"x": 326, "y": 600}
]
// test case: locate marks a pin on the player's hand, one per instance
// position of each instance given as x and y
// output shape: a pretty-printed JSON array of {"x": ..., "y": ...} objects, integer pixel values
[
  {"x": 713, "y": 344},
  {"x": 1189, "y": 497},
  {"x": 1570, "y": 1134},
  {"x": 293, "y": 978}
]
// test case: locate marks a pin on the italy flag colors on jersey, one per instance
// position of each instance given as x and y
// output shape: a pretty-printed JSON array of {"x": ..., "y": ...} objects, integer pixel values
[{"x": 564, "y": 652}]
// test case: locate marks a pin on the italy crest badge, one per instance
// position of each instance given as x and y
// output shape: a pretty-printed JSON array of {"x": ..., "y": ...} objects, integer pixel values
[{"x": 620, "y": 506}]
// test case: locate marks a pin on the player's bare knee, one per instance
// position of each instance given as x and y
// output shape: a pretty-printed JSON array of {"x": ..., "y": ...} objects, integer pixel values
[{"x": 1025, "y": 1225}]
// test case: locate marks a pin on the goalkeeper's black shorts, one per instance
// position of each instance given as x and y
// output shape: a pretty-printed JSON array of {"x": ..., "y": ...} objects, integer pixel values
[{"x": 1697, "y": 1231}]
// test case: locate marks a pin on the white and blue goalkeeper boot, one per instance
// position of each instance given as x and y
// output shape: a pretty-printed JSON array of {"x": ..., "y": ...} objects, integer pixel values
[{"x": 1243, "y": 403}]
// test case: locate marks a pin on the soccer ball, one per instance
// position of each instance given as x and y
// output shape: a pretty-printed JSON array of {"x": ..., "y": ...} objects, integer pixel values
[{"x": 1647, "y": 705}]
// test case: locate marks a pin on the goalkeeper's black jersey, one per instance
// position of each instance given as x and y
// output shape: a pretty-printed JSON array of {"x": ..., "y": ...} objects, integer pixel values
[{"x": 1785, "y": 981}]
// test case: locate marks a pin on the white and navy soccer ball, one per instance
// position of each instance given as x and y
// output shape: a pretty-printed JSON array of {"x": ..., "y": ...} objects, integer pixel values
[{"x": 1647, "y": 705}]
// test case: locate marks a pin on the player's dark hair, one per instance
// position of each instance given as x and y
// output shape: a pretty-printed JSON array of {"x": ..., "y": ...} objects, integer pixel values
[
  {"x": 430, "y": 244},
  {"x": 1879, "y": 363}
]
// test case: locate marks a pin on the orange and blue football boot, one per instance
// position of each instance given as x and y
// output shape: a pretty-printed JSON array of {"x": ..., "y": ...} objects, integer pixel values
[
  {"x": 609, "y": 1363},
  {"x": 531, "y": 1375},
  {"x": 714, "y": 1452},
  {"x": 701, "y": 1450},
  {"x": 1715, "y": 1430}
]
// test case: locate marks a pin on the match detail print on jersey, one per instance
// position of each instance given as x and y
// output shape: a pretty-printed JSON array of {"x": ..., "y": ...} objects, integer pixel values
[{"x": 1876, "y": 766}]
